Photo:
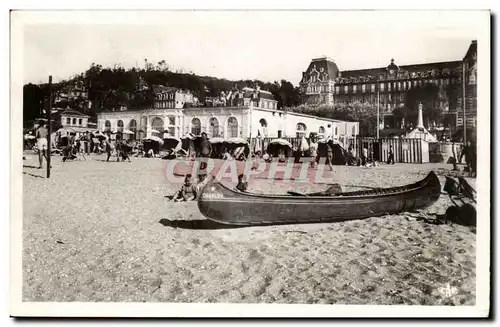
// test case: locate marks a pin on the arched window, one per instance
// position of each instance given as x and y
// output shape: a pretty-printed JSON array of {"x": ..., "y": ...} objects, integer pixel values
[
  {"x": 107, "y": 125},
  {"x": 354, "y": 130},
  {"x": 196, "y": 126},
  {"x": 336, "y": 131},
  {"x": 213, "y": 127},
  {"x": 74, "y": 121},
  {"x": 171, "y": 125},
  {"x": 120, "y": 126},
  {"x": 263, "y": 125},
  {"x": 232, "y": 127},
  {"x": 301, "y": 129},
  {"x": 158, "y": 125},
  {"x": 132, "y": 126},
  {"x": 321, "y": 130}
]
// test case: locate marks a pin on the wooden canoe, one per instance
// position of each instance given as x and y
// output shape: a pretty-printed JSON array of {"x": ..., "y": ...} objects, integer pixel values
[{"x": 222, "y": 204}]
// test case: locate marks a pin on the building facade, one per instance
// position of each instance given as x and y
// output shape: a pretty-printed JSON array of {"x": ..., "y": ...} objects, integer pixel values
[
  {"x": 72, "y": 118},
  {"x": 225, "y": 122},
  {"x": 246, "y": 113},
  {"x": 323, "y": 83},
  {"x": 171, "y": 97}
]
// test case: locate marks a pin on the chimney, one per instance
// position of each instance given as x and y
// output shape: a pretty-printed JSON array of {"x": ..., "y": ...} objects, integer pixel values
[{"x": 420, "y": 122}]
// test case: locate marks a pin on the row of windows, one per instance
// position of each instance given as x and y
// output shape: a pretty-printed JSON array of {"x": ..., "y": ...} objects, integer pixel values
[
  {"x": 73, "y": 121},
  {"x": 392, "y": 86},
  {"x": 165, "y": 96},
  {"x": 268, "y": 104},
  {"x": 213, "y": 127},
  {"x": 319, "y": 88},
  {"x": 164, "y": 104}
]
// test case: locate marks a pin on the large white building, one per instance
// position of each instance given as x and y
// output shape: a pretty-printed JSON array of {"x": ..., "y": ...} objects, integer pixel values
[{"x": 255, "y": 114}]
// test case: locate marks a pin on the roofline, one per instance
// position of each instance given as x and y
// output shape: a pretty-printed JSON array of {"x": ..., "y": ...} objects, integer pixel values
[
  {"x": 323, "y": 58},
  {"x": 231, "y": 108},
  {"x": 402, "y": 66},
  {"x": 79, "y": 113}
]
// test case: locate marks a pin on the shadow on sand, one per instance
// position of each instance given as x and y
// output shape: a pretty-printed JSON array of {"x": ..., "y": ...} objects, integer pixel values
[
  {"x": 30, "y": 166},
  {"x": 33, "y": 175},
  {"x": 201, "y": 224}
]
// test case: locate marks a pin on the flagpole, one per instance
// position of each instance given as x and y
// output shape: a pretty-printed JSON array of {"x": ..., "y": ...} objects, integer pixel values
[
  {"x": 378, "y": 109},
  {"x": 463, "y": 104},
  {"x": 49, "y": 145}
]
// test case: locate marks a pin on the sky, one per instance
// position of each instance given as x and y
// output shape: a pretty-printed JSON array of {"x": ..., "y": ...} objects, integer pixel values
[{"x": 267, "y": 46}]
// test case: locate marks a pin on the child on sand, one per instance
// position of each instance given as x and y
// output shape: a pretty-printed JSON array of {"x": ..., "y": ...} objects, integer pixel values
[{"x": 187, "y": 191}]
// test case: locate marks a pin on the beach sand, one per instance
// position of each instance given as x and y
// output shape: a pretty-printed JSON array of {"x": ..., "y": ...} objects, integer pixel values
[{"x": 98, "y": 231}]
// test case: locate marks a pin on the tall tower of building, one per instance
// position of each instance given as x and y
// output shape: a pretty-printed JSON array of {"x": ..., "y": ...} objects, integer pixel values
[{"x": 318, "y": 81}]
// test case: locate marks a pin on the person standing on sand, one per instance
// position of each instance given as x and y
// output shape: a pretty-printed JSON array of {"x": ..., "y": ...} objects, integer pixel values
[
  {"x": 364, "y": 157},
  {"x": 41, "y": 141},
  {"x": 107, "y": 145},
  {"x": 313, "y": 148},
  {"x": 469, "y": 152},
  {"x": 329, "y": 154},
  {"x": 390, "y": 159}
]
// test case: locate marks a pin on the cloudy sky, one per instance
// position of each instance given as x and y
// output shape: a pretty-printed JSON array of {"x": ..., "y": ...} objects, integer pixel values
[{"x": 238, "y": 45}]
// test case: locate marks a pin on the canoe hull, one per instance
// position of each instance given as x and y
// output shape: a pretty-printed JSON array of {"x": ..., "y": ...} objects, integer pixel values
[{"x": 221, "y": 204}]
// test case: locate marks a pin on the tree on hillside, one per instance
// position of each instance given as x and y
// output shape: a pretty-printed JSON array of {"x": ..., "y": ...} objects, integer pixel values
[
  {"x": 364, "y": 113},
  {"x": 404, "y": 115},
  {"x": 32, "y": 102}
]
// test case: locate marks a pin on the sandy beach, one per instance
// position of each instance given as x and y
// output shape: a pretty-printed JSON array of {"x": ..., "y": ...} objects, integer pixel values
[{"x": 104, "y": 231}]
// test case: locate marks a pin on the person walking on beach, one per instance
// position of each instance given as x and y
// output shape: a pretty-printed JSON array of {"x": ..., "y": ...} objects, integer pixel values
[
  {"x": 390, "y": 159},
  {"x": 107, "y": 146},
  {"x": 313, "y": 148},
  {"x": 364, "y": 157},
  {"x": 41, "y": 141},
  {"x": 125, "y": 149},
  {"x": 469, "y": 152},
  {"x": 329, "y": 154}
]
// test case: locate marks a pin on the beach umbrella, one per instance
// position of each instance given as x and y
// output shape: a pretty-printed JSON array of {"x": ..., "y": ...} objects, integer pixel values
[
  {"x": 236, "y": 141},
  {"x": 129, "y": 132},
  {"x": 216, "y": 140},
  {"x": 154, "y": 139},
  {"x": 281, "y": 142},
  {"x": 171, "y": 142},
  {"x": 276, "y": 145},
  {"x": 29, "y": 137},
  {"x": 189, "y": 136},
  {"x": 154, "y": 131}
]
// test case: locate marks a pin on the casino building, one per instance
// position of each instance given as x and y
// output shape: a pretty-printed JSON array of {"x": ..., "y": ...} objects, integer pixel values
[
  {"x": 324, "y": 83},
  {"x": 241, "y": 113}
]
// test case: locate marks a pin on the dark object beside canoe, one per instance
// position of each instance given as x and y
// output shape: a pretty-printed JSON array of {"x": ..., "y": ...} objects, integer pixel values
[{"x": 224, "y": 205}]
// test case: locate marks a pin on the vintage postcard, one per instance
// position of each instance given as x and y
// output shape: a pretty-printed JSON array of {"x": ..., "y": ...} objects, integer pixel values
[{"x": 250, "y": 163}]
